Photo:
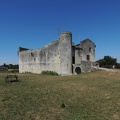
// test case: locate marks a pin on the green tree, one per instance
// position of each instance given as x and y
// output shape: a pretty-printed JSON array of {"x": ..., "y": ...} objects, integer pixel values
[
  {"x": 11, "y": 66},
  {"x": 4, "y": 65},
  {"x": 107, "y": 62}
]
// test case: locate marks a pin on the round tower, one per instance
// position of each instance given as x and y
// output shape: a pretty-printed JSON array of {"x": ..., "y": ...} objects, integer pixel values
[{"x": 66, "y": 53}]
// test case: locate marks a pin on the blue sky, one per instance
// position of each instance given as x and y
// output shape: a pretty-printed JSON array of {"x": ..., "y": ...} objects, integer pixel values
[{"x": 34, "y": 23}]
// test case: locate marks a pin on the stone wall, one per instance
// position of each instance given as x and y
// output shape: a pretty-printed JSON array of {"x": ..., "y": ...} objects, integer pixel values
[
  {"x": 36, "y": 61},
  {"x": 88, "y": 48}
]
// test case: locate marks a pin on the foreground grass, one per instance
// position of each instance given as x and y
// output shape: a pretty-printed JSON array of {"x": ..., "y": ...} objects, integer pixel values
[{"x": 88, "y": 96}]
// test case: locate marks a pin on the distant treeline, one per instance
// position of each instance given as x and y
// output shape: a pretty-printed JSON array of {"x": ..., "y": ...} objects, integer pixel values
[
  {"x": 108, "y": 62},
  {"x": 10, "y": 66}
]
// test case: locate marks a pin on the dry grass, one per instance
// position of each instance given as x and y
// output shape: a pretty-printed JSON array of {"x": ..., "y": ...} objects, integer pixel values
[{"x": 88, "y": 96}]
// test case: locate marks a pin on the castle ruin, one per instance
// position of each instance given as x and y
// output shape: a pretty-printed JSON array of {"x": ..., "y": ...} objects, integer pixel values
[{"x": 61, "y": 56}]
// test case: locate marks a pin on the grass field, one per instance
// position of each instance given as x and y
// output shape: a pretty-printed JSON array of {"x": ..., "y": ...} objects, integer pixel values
[{"x": 88, "y": 96}]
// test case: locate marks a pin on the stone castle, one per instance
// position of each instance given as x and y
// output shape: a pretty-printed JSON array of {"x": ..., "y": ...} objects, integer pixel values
[{"x": 61, "y": 56}]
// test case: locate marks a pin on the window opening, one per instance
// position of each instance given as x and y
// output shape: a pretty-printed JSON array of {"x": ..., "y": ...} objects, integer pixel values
[
  {"x": 73, "y": 60},
  {"x": 34, "y": 59},
  {"x": 89, "y": 49},
  {"x": 88, "y": 57}
]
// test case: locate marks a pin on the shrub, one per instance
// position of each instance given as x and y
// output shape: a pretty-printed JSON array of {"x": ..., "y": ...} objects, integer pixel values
[
  {"x": 49, "y": 73},
  {"x": 13, "y": 70},
  {"x": 107, "y": 66}
]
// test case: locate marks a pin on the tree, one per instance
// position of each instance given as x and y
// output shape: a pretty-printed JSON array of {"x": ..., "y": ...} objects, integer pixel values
[
  {"x": 107, "y": 62},
  {"x": 11, "y": 66},
  {"x": 4, "y": 65},
  {"x": 118, "y": 65}
]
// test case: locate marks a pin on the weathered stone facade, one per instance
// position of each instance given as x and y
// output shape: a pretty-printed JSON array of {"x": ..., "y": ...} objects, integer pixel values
[{"x": 60, "y": 56}]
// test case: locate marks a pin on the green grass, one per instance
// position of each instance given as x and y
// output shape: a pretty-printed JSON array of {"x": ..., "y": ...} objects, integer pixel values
[{"x": 88, "y": 96}]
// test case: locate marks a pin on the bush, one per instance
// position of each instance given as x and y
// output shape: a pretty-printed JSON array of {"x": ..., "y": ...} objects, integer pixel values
[
  {"x": 49, "y": 73},
  {"x": 108, "y": 66},
  {"x": 118, "y": 66},
  {"x": 13, "y": 70}
]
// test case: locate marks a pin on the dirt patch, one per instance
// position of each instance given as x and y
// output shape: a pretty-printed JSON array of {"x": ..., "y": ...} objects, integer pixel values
[{"x": 116, "y": 116}]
